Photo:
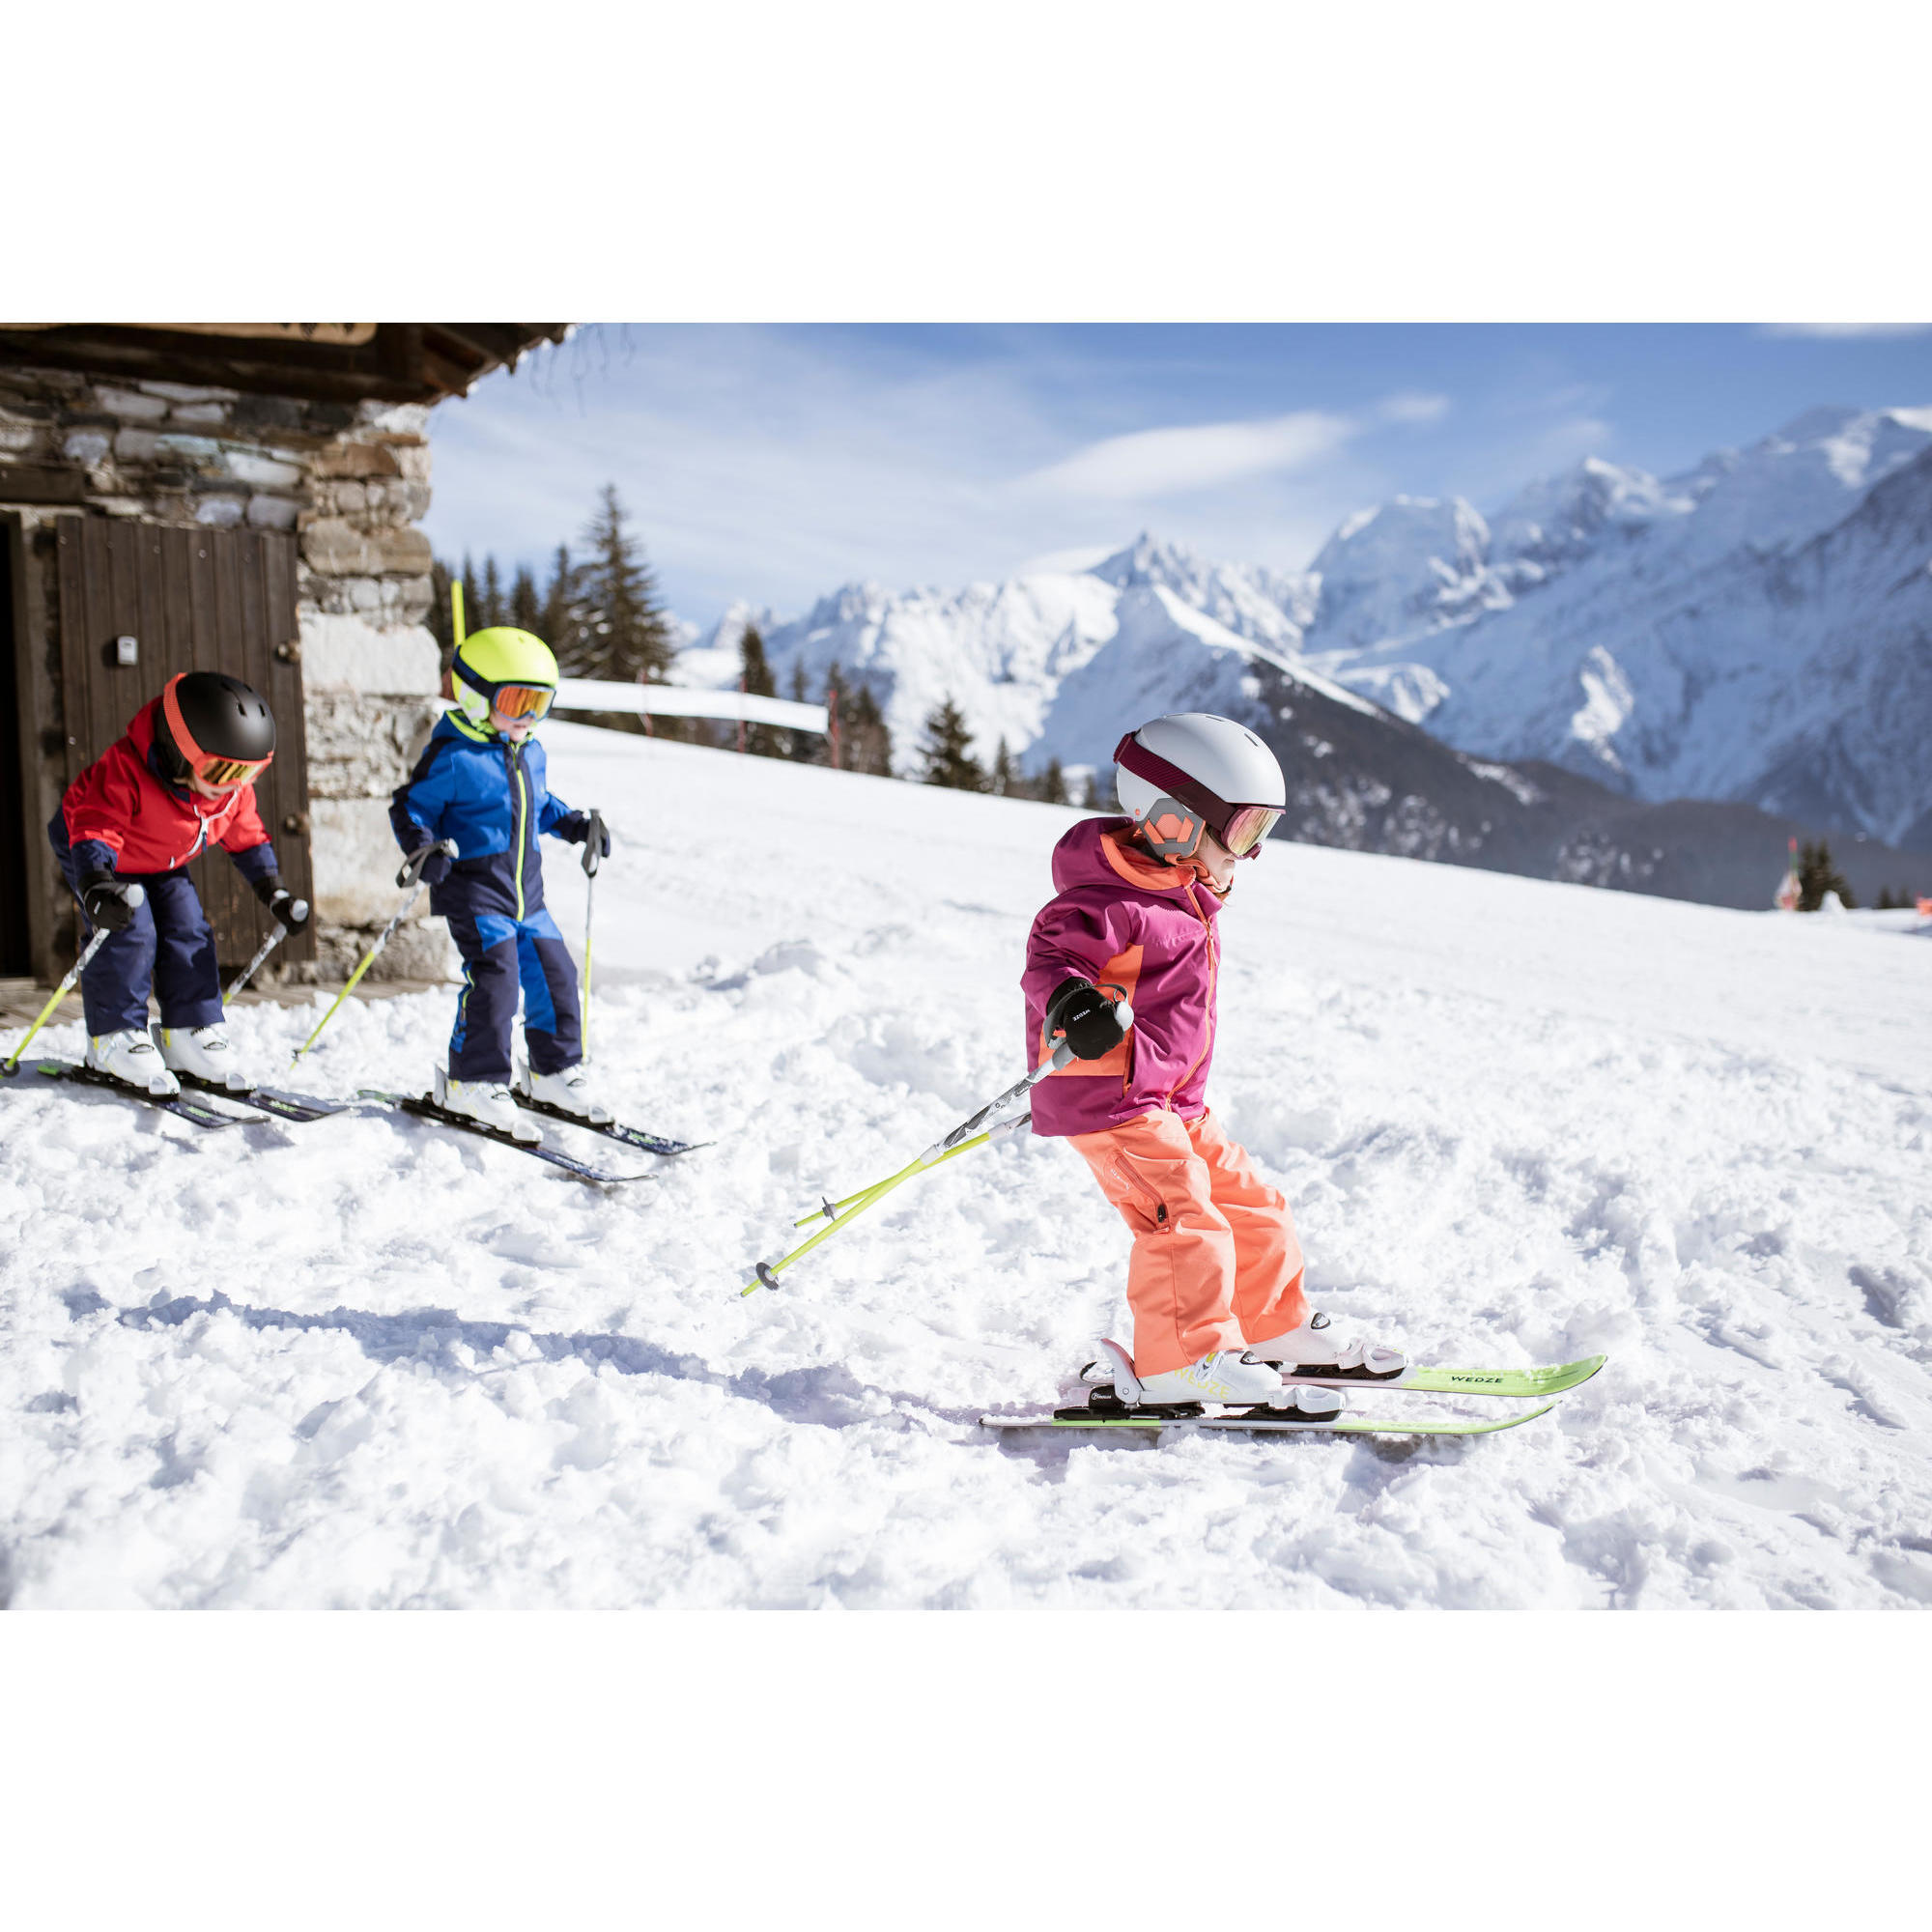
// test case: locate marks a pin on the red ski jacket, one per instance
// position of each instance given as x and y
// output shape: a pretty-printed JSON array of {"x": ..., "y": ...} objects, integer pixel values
[{"x": 150, "y": 826}]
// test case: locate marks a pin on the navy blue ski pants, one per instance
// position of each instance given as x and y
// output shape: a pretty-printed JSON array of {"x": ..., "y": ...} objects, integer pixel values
[
  {"x": 170, "y": 945},
  {"x": 500, "y": 954}
]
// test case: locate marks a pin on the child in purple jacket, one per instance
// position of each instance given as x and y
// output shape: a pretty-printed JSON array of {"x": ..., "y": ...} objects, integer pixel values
[{"x": 1215, "y": 1278}]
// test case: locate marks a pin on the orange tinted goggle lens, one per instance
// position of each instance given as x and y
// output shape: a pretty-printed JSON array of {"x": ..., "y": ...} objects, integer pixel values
[
  {"x": 1248, "y": 828},
  {"x": 221, "y": 773},
  {"x": 523, "y": 701}
]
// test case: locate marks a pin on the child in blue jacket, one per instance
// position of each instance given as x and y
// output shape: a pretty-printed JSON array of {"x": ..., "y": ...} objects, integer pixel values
[{"x": 480, "y": 782}]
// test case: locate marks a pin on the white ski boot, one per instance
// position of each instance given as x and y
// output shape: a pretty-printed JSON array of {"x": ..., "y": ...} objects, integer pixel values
[
  {"x": 204, "y": 1053},
  {"x": 1313, "y": 1349},
  {"x": 492, "y": 1105},
  {"x": 569, "y": 1092},
  {"x": 1225, "y": 1375},
  {"x": 1248, "y": 1383},
  {"x": 130, "y": 1056}
]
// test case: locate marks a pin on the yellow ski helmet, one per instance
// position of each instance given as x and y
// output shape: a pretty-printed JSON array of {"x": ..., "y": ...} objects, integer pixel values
[{"x": 503, "y": 670}]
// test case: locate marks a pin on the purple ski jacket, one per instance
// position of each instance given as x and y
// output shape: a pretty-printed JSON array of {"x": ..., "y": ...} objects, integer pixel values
[{"x": 1125, "y": 921}]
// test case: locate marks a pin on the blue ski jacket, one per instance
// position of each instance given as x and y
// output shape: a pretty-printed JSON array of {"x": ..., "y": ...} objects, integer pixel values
[{"x": 488, "y": 795}]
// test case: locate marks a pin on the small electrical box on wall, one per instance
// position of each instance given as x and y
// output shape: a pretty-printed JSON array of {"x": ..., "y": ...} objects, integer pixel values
[{"x": 126, "y": 651}]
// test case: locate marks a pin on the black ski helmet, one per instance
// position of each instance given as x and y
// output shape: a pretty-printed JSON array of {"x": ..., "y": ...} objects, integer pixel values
[{"x": 218, "y": 717}]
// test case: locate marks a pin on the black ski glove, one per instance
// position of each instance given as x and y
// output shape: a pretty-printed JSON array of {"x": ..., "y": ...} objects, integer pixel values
[
  {"x": 281, "y": 902},
  {"x": 436, "y": 867},
  {"x": 577, "y": 828},
  {"x": 104, "y": 900},
  {"x": 1087, "y": 1018}
]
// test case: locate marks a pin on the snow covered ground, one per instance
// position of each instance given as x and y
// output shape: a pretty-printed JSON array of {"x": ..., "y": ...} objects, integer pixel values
[{"x": 371, "y": 1362}]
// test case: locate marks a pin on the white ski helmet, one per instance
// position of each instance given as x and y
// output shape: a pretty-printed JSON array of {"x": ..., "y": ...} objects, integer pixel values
[{"x": 1194, "y": 773}]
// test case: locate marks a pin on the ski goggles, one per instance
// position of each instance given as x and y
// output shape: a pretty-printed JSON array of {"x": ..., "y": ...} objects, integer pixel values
[
  {"x": 531, "y": 701},
  {"x": 1173, "y": 823},
  {"x": 217, "y": 773}
]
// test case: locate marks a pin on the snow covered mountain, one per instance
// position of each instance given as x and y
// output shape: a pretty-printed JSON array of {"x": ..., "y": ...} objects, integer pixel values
[
  {"x": 1057, "y": 663},
  {"x": 1759, "y": 630},
  {"x": 1337, "y": 666}
]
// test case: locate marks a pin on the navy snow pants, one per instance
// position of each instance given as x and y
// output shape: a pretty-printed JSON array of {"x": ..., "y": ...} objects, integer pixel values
[
  {"x": 170, "y": 945},
  {"x": 501, "y": 954}
]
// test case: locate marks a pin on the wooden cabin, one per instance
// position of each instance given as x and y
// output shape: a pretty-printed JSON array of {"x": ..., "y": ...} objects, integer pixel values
[{"x": 236, "y": 497}]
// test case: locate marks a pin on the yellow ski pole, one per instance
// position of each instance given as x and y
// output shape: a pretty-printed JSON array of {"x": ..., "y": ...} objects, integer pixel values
[
  {"x": 411, "y": 877},
  {"x": 456, "y": 609},
  {"x": 830, "y": 1210},
  {"x": 593, "y": 857},
  {"x": 974, "y": 1130},
  {"x": 9, "y": 1068}
]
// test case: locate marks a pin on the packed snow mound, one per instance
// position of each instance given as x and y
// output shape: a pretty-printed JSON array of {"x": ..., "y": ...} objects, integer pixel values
[{"x": 371, "y": 1362}]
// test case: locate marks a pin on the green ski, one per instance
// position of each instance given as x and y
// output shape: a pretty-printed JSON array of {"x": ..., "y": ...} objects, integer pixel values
[
  {"x": 1262, "y": 1421},
  {"x": 1552, "y": 1380}
]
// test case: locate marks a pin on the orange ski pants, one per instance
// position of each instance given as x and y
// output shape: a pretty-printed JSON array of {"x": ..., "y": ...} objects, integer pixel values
[{"x": 1216, "y": 1262}]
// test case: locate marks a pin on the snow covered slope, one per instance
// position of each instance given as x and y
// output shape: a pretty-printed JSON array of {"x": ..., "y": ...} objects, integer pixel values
[
  {"x": 1759, "y": 630},
  {"x": 373, "y": 1362}
]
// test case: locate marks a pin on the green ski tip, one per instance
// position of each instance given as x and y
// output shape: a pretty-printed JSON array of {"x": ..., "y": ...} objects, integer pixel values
[{"x": 1552, "y": 1381}]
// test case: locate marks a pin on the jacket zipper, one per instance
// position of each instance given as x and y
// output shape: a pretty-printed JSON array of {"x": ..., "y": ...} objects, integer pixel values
[
  {"x": 1214, "y": 973},
  {"x": 522, "y": 821}
]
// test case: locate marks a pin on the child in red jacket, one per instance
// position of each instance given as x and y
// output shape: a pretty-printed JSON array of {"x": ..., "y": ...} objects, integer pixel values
[
  {"x": 1215, "y": 1278},
  {"x": 182, "y": 780}
]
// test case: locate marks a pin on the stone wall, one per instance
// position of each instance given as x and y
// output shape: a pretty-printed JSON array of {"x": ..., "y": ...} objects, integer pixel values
[{"x": 351, "y": 482}]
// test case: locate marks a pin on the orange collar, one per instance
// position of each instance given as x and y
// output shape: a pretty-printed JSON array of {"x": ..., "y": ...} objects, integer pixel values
[{"x": 1150, "y": 875}]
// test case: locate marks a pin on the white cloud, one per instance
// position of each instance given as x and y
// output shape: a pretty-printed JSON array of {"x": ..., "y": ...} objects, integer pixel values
[
  {"x": 1832, "y": 332},
  {"x": 1154, "y": 463},
  {"x": 1410, "y": 406}
]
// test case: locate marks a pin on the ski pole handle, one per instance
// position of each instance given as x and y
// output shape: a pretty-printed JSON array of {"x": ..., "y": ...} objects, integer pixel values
[
  {"x": 136, "y": 895},
  {"x": 412, "y": 865},
  {"x": 594, "y": 844}
]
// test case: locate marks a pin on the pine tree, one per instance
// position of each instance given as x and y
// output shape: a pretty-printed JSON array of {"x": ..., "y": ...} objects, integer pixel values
[
  {"x": 1052, "y": 784},
  {"x": 868, "y": 742},
  {"x": 615, "y": 627},
  {"x": 1817, "y": 875},
  {"x": 946, "y": 755},
  {"x": 490, "y": 611},
  {"x": 806, "y": 747},
  {"x": 1002, "y": 778},
  {"x": 558, "y": 596},
  {"x": 762, "y": 739},
  {"x": 526, "y": 610},
  {"x": 472, "y": 595}
]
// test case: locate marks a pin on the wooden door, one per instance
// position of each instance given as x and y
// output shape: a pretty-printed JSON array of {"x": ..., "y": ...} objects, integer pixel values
[{"x": 192, "y": 599}]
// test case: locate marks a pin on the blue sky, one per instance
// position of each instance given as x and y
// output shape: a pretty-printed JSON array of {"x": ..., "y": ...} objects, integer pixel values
[{"x": 776, "y": 463}]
